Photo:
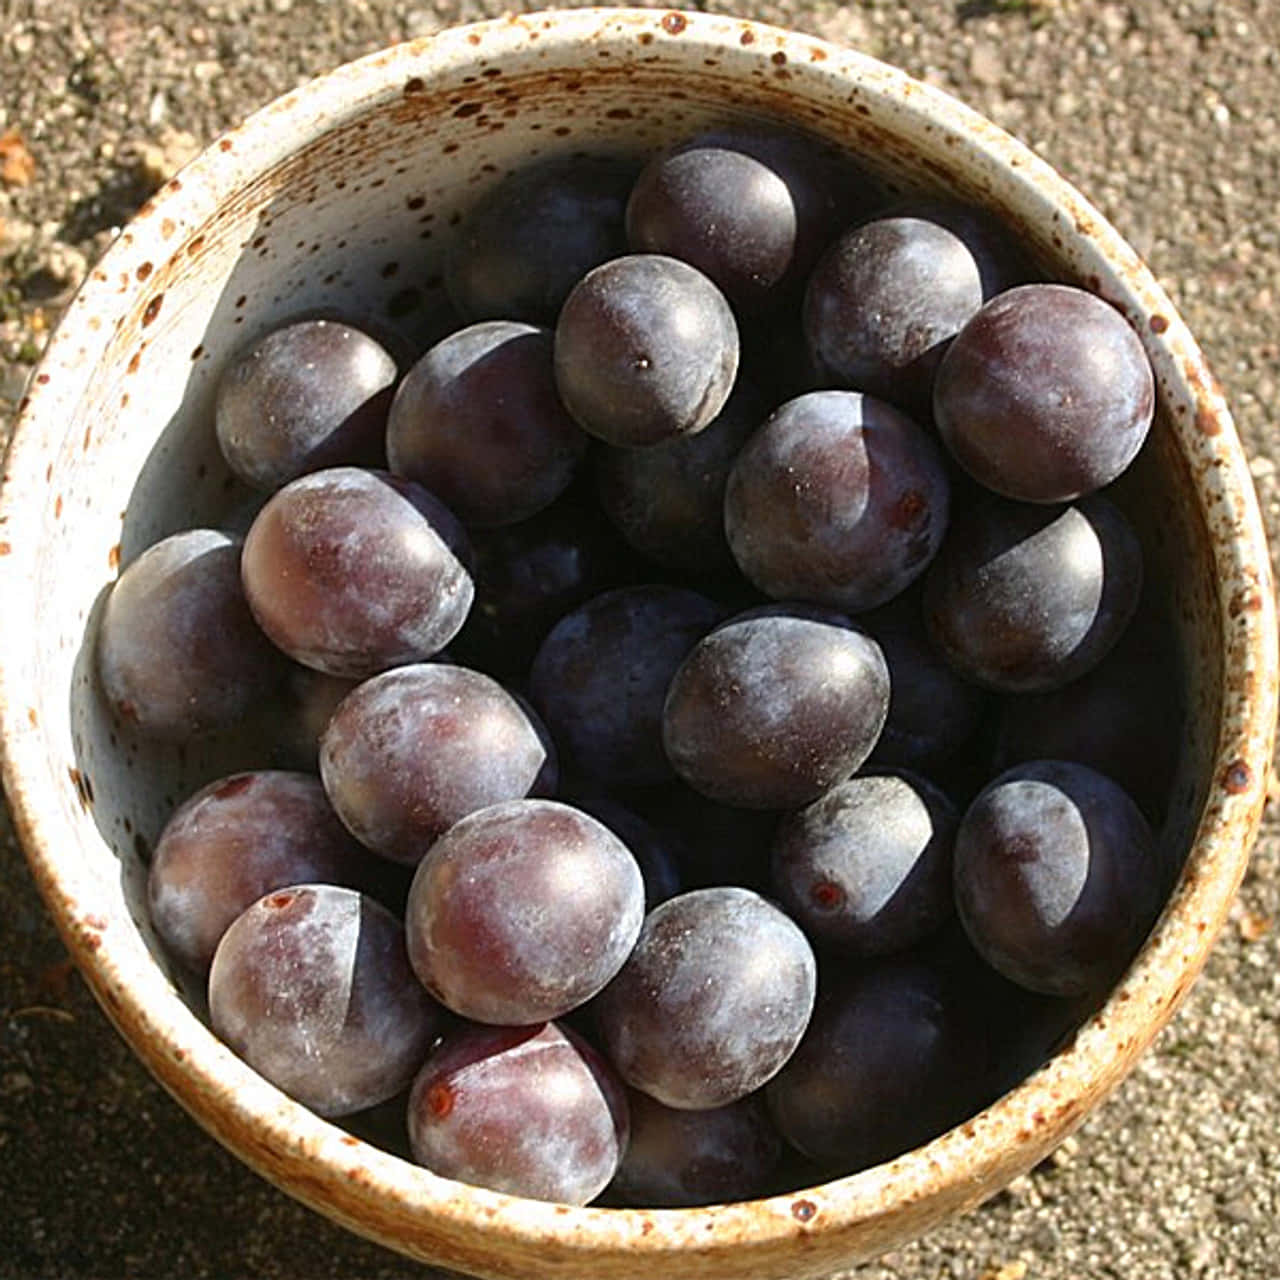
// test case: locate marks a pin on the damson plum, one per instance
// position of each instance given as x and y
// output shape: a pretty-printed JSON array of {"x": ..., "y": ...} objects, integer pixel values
[
  {"x": 838, "y": 499},
  {"x": 532, "y": 1111},
  {"x": 1057, "y": 878},
  {"x": 307, "y": 396},
  {"x": 1024, "y": 598},
  {"x": 534, "y": 235},
  {"x": 712, "y": 1000},
  {"x": 410, "y": 751},
  {"x": 1123, "y": 718},
  {"x": 1045, "y": 395},
  {"x": 751, "y": 211},
  {"x": 884, "y": 1066},
  {"x": 866, "y": 868},
  {"x": 767, "y": 712},
  {"x": 933, "y": 710},
  {"x": 885, "y": 300},
  {"x": 178, "y": 651},
  {"x": 600, "y": 677},
  {"x": 236, "y": 840},
  {"x": 478, "y": 422},
  {"x": 522, "y": 911},
  {"x": 668, "y": 500},
  {"x": 646, "y": 349},
  {"x": 353, "y": 571},
  {"x": 312, "y": 987},
  {"x": 528, "y": 576},
  {"x": 678, "y": 1158}
]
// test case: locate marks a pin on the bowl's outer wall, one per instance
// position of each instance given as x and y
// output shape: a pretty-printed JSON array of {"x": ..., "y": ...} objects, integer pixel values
[{"x": 343, "y": 195}]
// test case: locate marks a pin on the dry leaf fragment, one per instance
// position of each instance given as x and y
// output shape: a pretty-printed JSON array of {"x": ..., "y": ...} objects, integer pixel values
[
  {"x": 17, "y": 164},
  {"x": 1015, "y": 1270},
  {"x": 1254, "y": 926}
]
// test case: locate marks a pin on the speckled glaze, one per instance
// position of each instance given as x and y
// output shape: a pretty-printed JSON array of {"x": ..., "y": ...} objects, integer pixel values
[{"x": 342, "y": 194}]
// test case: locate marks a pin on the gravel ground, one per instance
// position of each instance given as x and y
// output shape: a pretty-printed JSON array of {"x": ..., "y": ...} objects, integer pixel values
[{"x": 1164, "y": 112}]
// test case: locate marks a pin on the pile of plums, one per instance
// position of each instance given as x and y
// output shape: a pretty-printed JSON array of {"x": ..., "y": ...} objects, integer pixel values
[{"x": 717, "y": 739}]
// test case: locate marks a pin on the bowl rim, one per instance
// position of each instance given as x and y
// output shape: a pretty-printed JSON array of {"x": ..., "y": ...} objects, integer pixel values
[{"x": 436, "y": 1219}]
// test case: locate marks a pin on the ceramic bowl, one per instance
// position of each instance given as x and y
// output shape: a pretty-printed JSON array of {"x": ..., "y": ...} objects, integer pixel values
[{"x": 344, "y": 195}]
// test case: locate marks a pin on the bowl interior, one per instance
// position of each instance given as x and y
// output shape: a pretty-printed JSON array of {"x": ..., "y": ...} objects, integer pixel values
[{"x": 345, "y": 198}]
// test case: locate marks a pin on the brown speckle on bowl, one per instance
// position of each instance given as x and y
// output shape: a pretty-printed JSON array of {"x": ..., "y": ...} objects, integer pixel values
[{"x": 1207, "y": 421}]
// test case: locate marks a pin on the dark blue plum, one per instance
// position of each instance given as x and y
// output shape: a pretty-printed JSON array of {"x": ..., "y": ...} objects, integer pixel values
[
  {"x": 602, "y": 673},
  {"x": 1124, "y": 718},
  {"x": 667, "y": 501},
  {"x": 308, "y": 395},
  {"x": 838, "y": 499},
  {"x": 750, "y": 210},
  {"x": 352, "y": 571},
  {"x": 179, "y": 653},
  {"x": 312, "y": 987},
  {"x": 711, "y": 1002},
  {"x": 1024, "y": 598},
  {"x": 410, "y": 751},
  {"x": 522, "y": 912},
  {"x": 679, "y": 1159},
  {"x": 478, "y": 422},
  {"x": 865, "y": 869},
  {"x": 885, "y": 1065},
  {"x": 767, "y": 712},
  {"x": 528, "y": 576},
  {"x": 1045, "y": 395},
  {"x": 715, "y": 844},
  {"x": 933, "y": 711},
  {"x": 646, "y": 349},
  {"x": 1057, "y": 877},
  {"x": 532, "y": 1111},
  {"x": 533, "y": 236}
]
